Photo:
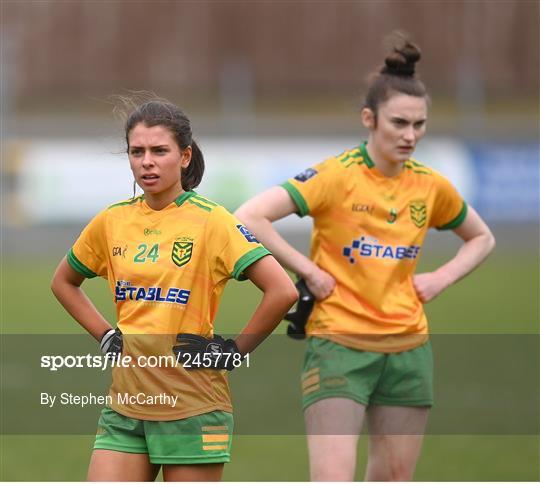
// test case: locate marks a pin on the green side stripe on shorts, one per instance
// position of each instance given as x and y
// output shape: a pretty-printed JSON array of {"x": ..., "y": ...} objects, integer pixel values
[
  {"x": 297, "y": 197},
  {"x": 78, "y": 266},
  {"x": 246, "y": 260},
  {"x": 453, "y": 224}
]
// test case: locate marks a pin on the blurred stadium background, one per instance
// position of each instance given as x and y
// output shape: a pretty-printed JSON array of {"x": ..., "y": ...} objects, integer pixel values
[{"x": 271, "y": 87}]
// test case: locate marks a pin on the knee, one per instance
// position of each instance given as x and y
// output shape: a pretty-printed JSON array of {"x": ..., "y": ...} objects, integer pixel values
[
  {"x": 401, "y": 472},
  {"x": 389, "y": 471},
  {"x": 332, "y": 474}
]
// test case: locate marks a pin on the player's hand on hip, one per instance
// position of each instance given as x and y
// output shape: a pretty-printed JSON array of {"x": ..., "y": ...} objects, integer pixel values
[
  {"x": 196, "y": 352},
  {"x": 429, "y": 285},
  {"x": 320, "y": 283}
]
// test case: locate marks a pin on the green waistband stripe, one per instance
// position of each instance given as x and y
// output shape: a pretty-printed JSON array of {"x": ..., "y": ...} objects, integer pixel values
[
  {"x": 78, "y": 266},
  {"x": 453, "y": 224},
  {"x": 297, "y": 197},
  {"x": 246, "y": 260}
]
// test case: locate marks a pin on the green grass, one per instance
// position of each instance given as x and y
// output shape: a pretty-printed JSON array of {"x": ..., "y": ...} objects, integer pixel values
[{"x": 501, "y": 297}]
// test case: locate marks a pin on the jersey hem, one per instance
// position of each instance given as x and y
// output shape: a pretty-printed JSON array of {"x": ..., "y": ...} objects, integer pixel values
[
  {"x": 297, "y": 197},
  {"x": 178, "y": 416},
  {"x": 343, "y": 340},
  {"x": 78, "y": 266},
  {"x": 246, "y": 260},
  {"x": 454, "y": 224}
]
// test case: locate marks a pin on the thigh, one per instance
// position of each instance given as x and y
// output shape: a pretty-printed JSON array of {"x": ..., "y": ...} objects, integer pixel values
[
  {"x": 193, "y": 473},
  {"x": 111, "y": 465},
  {"x": 120, "y": 451},
  {"x": 395, "y": 441},
  {"x": 332, "y": 427},
  {"x": 332, "y": 370},
  {"x": 407, "y": 379}
]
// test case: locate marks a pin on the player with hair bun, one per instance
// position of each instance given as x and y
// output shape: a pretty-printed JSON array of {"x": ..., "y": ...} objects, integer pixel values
[
  {"x": 368, "y": 353},
  {"x": 167, "y": 256}
]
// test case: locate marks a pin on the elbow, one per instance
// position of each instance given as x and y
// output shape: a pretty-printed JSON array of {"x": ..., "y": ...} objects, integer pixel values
[
  {"x": 242, "y": 214},
  {"x": 490, "y": 244},
  {"x": 248, "y": 215},
  {"x": 54, "y": 286},
  {"x": 290, "y": 294}
]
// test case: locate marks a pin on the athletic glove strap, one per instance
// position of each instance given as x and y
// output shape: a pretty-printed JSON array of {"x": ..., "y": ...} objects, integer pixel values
[
  {"x": 111, "y": 342},
  {"x": 196, "y": 352}
]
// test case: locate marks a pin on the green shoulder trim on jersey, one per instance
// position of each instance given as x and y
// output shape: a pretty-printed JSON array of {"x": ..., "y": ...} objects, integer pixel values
[
  {"x": 196, "y": 200},
  {"x": 131, "y": 201},
  {"x": 204, "y": 200},
  {"x": 246, "y": 260},
  {"x": 350, "y": 157},
  {"x": 182, "y": 198},
  {"x": 417, "y": 167},
  {"x": 454, "y": 224},
  {"x": 78, "y": 266},
  {"x": 200, "y": 205},
  {"x": 297, "y": 197},
  {"x": 367, "y": 160}
]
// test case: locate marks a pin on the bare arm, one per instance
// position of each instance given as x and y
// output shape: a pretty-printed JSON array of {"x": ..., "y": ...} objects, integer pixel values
[
  {"x": 279, "y": 295},
  {"x": 478, "y": 243},
  {"x": 66, "y": 287},
  {"x": 259, "y": 213}
]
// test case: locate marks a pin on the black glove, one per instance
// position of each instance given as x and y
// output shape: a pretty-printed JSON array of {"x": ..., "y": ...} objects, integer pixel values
[
  {"x": 197, "y": 352},
  {"x": 111, "y": 343},
  {"x": 298, "y": 318}
]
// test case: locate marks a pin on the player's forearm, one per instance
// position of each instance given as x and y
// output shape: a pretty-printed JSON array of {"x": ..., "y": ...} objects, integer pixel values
[
  {"x": 470, "y": 255},
  {"x": 270, "y": 312},
  {"x": 279, "y": 294},
  {"x": 77, "y": 304}
]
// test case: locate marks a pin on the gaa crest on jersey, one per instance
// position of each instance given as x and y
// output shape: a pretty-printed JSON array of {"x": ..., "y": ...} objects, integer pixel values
[
  {"x": 418, "y": 212},
  {"x": 181, "y": 251}
]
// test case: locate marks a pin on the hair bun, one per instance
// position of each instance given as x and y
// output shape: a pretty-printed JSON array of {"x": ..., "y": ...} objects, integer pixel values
[{"x": 403, "y": 56}]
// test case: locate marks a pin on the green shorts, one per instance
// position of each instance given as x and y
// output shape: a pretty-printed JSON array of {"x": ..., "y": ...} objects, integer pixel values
[
  {"x": 369, "y": 378},
  {"x": 202, "y": 439}
]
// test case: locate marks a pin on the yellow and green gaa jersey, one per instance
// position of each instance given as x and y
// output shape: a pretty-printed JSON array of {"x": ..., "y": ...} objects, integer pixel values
[
  {"x": 368, "y": 231},
  {"x": 167, "y": 270}
]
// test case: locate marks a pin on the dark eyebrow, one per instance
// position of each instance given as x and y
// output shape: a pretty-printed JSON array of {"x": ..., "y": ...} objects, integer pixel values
[
  {"x": 151, "y": 147},
  {"x": 397, "y": 118}
]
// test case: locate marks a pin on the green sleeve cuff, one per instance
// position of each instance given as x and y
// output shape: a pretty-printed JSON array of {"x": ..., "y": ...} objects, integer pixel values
[
  {"x": 246, "y": 260},
  {"x": 297, "y": 197},
  {"x": 454, "y": 224},
  {"x": 78, "y": 266}
]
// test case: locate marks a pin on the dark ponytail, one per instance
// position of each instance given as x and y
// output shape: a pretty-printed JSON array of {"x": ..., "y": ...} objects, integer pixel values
[
  {"x": 192, "y": 175},
  {"x": 150, "y": 110},
  {"x": 398, "y": 73}
]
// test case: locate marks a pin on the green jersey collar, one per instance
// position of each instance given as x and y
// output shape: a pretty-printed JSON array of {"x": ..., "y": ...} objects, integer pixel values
[
  {"x": 367, "y": 160},
  {"x": 182, "y": 198}
]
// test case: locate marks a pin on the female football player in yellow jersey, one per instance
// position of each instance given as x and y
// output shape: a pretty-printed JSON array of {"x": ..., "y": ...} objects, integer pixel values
[
  {"x": 167, "y": 256},
  {"x": 368, "y": 351}
]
